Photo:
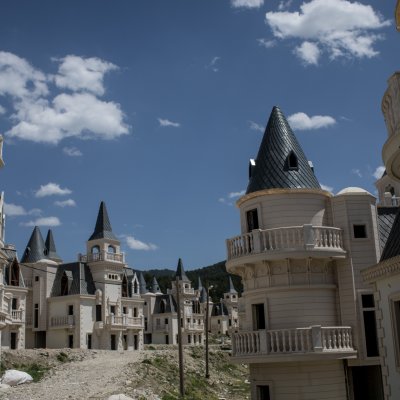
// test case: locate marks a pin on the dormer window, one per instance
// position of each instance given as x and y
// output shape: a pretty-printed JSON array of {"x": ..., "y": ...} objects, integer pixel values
[
  {"x": 292, "y": 162},
  {"x": 64, "y": 285}
]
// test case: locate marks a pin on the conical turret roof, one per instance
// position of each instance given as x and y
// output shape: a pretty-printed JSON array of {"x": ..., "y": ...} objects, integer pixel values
[
  {"x": 200, "y": 285},
  {"x": 203, "y": 295},
  {"x": 231, "y": 286},
  {"x": 155, "y": 287},
  {"x": 35, "y": 249},
  {"x": 180, "y": 272},
  {"x": 281, "y": 162},
  {"x": 103, "y": 228},
  {"x": 51, "y": 247},
  {"x": 142, "y": 284}
]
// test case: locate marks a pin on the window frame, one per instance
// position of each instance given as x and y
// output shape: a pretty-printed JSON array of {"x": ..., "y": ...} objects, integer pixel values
[
  {"x": 395, "y": 298},
  {"x": 365, "y": 225},
  {"x": 361, "y": 312},
  {"x": 254, "y": 391}
]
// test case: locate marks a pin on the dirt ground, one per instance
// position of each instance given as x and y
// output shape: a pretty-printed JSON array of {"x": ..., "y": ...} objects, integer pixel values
[{"x": 144, "y": 375}]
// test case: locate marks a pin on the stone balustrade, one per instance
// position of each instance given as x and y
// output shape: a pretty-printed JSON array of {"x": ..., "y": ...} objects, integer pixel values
[
  {"x": 17, "y": 315},
  {"x": 102, "y": 256},
  {"x": 195, "y": 327},
  {"x": 313, "y": 339},
  {"x": 306, "y": 237},
  {"x": 62, "y": 321},
  {"x": 124, "y": 321}
]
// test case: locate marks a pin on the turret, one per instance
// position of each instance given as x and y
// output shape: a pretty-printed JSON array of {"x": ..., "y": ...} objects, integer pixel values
[
  {"x": 51, "y": 248},
  {"x": 155, "y": 288},
  {"x": 35, "y": 249}
]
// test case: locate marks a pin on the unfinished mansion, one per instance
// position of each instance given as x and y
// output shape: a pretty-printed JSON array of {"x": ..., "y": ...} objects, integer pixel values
[{"x": 98, "y": 302}]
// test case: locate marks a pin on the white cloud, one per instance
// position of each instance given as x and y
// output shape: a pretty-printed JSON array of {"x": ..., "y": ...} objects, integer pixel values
[
  {"x": 69, "y": 115},
  {"x": 327, "y": 188},
  {"x": 357, "y": 172},
  {"x": 72, "y": 152},
  {"x": 213, "y": 64},
  {"x": 51, "y": 189},
  {"x": 14, "y": 210},
  {"x": 339, "y": 28},
  {"x": 308, "y": 52},
  {"x": 37, "y": 116},
  {"x": 256, "y": 127},
  {"x": 138, "y": 245},
  {"x": 78, "y": 73},
  {"x": 267, "y": 43},
  {"x": 167, "y": 122},
  {"x": 302, "y": 121},
  {"x": 283, "y": 5},
  {"x": 247, "y": 3},
  {"x": 45, "y": 221},
  {"x": 379, "y": 172},
  {"x": 234, "y": 195},
  {"x": 2, "y": 110},
  {"x": 65, "y": 203}
]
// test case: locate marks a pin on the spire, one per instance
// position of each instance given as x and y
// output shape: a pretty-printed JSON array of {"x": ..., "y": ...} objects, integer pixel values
[
  {"x": 142, "y": 284},
  {"x": 200, "y": 286},
  {"x": 35, "y": 249},
  {"x": 155, "y": 288},
  {"x": 231, "y": 287},
  {"x": 180, "y": 272},
  {"x": 281, "y": 162},
  {"x": 51, "y": 247},
  {"x": 203, "y": 295},
  {"x": 103, "y": 228}
]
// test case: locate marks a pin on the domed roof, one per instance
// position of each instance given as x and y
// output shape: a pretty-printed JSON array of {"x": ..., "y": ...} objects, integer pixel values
[{"x": 353, "y": 190}]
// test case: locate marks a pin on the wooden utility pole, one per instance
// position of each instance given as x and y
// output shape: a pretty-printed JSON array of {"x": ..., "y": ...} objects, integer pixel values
[
  {"x": 180, "y": 344},
  {"x": 207, "y": 318}
]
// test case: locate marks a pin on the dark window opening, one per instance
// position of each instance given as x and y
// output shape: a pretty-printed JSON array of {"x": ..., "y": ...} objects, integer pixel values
[
  {"x": 70, "y": 309},
  {"x": 113, "y": 342},
  {"x": 36, "y": 278},
  {"x": 360, "y": 231},
  {"x": 263, "y": 392},
  {"x": 252, "y": 220},
  {"x": 14, "y": 278},
  {"x": 292, "y": 161},
  {"x": 13, "y": 340},
  {"x": 258, "y": 316},
  {"x": 135, "y": 312},
  {"x": 136, "y": 342},
  {"x": 89, "y": 341},
  {"x": 125, "y": 341},
  {"x": 166, "y": 321},
  {"x": 367, "y": 301},
  {"x": 369, "y": 319},
  {"x": 135, "y": 288},
  {"x": 162, "y": 306},
  {"x": 124, "y": 287},
  {"x": 124, "y": 310},
  {"x": 36, "y": 316},
  {"x": 98, "y": 313},
  {"x": 70, "y": 341},
  {"x": 64, "y": 285},
  {"x": 166, "y": 339},
  {"x": 112, "y": 310},
  {"x": 14, "y": 304}
]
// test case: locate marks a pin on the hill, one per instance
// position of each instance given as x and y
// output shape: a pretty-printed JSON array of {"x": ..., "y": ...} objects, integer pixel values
[{"x": 215, "y": 275}]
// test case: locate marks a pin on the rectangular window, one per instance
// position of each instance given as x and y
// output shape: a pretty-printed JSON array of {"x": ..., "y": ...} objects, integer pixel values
[
  {"x": 70, "y": 309},
  {"x": 113, "y": 342},
  {"x": 258, "y": 316},
  {"x": 359, "y": 231},
  {"x": 124, "y": 310},
  {"x": 135, "y": 312},
  {"x": 36, "y": 278},
  {"x": 14, "y": 304},
  {"x": 98, "y": 313},
  {"x": 112, "y": 310},
  {"x": 189, "y": 339},
  {"x": 89, "y": 341},
  {"x": 369, "y": 319},
  {"x": 36, "y": 316},
  {"x": 70, "y": 341},
  {"x": 263, "y": 392},
  {"x": 252, "y": 220},
  {"x": 396, "y": 328},
  {"x": 166, "y": 321}
]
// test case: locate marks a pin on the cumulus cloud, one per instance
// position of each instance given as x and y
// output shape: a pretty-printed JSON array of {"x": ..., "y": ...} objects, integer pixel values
[
  {"x": 136, "y": 244},
  {"x": 40, "y": 117},
  {"x": 247, "y": 3},
  {"x": 256, "y": 127},
  {"x": 339, "y": 28},
  {"x": 327, "y": 188},
  {"x": 72, "y": 152},
  {"x": 78, "y": 73},
  {"x": 45, "y": 221},
  {"x": 166, "y": 122},
  {"x": 14, "y": 210},
  {"x": 234, "y": 195},
  {"x": 301, "y": 121},
  {"x": 65, "y": 203},
  {"x": 379, "y": 172},
  {"x": 230, "y": 197},
  {"x": 51, "y": 189},
  {"x": 283, "y": 5},
  {"x": 267, "y": 43}
]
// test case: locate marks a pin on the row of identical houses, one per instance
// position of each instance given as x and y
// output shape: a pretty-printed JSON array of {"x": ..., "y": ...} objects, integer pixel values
[{"x": 98, "y": 302}]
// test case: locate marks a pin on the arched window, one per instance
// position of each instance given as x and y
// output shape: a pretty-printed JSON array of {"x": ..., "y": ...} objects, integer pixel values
[
  {"x": 124, "y": 287},
  {"x": 111, "y": 249},
  {"x": 14, "y": 274},
  {"x": 64, "y": 284},
  {"x": 292, "y": 161},
  {"x": 95, "y": 249}
]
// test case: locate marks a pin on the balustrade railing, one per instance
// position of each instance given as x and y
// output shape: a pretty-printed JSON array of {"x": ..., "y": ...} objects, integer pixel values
[
  {"x": 102, "y": 256},
  {"x": 306, "y": 237},
  {"x": 16, "y": 315},
  {"x": 124, "y": 320},
  {"x": 62, "y": 320},
  {"x": 314, "y": 339}
]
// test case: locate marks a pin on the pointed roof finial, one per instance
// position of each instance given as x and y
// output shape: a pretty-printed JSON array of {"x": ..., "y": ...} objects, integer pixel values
[
  {"x": 142, "y": 284},
  {"x": 280, "y": 162},
  {"x": 180, "y": 272},
  {"x": 155, "y": 287},
  {"x": 51, "y": 247},
  {"x": 103, "y": 228},
  {"x": 35, "y": 249},
  {"x": 231, "y": 286}
]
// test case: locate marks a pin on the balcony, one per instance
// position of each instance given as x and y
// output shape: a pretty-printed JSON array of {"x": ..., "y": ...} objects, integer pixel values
[
  {"x": 299, "y": 241},
  {"x": 17, "y": 317},
  {"x": 62, "y": 322},
  {"x": 124, "y": 322},
  {"x": 195, "y": 327},
  {"x": 102, "y": 256},
  {"x": 314, "y": 342}
]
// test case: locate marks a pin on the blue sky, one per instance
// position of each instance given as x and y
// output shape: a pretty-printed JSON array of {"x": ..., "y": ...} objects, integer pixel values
[{"x": 157, "y": 106}]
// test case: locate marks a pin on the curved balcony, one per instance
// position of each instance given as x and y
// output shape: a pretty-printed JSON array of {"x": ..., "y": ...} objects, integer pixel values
[
  {"x": 102, "y": 256},
  {"x": 300, "y": 241},
  {"x": 288, "y": 344}
]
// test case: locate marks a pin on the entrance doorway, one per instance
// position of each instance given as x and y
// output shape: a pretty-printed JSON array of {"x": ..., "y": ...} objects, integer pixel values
[{"x": 13, "y": 340}]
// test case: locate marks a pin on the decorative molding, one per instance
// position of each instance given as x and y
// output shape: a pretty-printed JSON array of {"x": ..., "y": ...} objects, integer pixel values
[{"x": 384, "y": 269}]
